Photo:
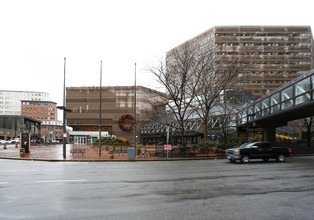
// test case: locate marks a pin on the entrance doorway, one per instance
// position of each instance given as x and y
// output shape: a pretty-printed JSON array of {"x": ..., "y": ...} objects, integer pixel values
[{"x": 80, "y": 140}]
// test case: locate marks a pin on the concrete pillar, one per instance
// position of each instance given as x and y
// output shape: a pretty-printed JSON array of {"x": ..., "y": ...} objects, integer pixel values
[{"x": 270, "y": 134}]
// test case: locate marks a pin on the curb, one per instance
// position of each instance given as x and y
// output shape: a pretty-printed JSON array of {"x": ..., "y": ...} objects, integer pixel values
[{"x": 153, "y": 160}]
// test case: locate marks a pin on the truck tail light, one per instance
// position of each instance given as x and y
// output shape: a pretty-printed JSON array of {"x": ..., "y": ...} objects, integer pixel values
[{"x": 290, "y": 150}]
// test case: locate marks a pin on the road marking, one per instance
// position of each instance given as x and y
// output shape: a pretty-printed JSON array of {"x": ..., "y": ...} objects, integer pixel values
[
  {"x": 57, "y": 181},
  {"x": 2, "y": 183},
  {"x": 9, "y": 171}
]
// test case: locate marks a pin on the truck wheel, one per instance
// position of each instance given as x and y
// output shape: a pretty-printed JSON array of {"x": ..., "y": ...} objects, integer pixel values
[
  {"x": 245, "y": 159},
  {"x": 281, "y": 158},
  {"x": 232, "y": 160}
]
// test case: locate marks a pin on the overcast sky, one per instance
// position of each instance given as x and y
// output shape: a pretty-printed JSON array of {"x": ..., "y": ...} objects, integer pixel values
[{"x": 36, "y": 35}]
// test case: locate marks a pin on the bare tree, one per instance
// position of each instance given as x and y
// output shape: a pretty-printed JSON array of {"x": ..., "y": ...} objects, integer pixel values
[
  {"x": 220, "y": 75},
  {"x": 180, "y": 76},
  {"x": 231, "y": 102},
  {"x": 306, "y": 125}
]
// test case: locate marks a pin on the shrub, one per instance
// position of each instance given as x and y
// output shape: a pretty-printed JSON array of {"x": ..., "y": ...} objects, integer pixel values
[
  {"x": 237, "y": 140},
  {"x": 225, "y": 146},
  {"x": 183, "y": 149},
  {"x": 194, "y": 147},
  {"x": 206, "y": 145},
  {"x": 121, "y": 140}
]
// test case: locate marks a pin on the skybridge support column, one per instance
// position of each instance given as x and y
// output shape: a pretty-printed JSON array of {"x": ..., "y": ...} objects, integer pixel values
[{"x": 270, "y": 134}]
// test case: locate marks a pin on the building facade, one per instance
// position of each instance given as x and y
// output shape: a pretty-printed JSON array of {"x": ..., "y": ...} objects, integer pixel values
[
  {"x": 51, "y": 131},
  {"x": 40, "y": 110},
  {"x": 10, "y": 101},
  {"x": 117, "y": 114},
  {"x": 47, "y": 112},
  {"x": 275, "y": 54}
]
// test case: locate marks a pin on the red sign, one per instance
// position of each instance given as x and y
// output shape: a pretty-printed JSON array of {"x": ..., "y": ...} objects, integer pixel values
[{"x": 167, "y": 147}]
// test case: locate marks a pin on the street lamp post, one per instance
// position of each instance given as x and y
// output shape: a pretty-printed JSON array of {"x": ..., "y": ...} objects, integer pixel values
[
  {"x": 100, "y": 89},
  {"x": 247, "y": 126},
  {"x": 134, "y": 111},
  {"x": 64, "y": 114}
]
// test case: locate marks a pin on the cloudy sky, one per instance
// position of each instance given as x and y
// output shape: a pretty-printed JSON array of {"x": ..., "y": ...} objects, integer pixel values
[{"x": 36, "y": 35}]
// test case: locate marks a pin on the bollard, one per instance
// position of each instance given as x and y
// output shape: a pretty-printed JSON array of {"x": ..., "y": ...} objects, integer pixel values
[
  {"x": 16, "y": 145},
  {"x": 5, "y": 146}
]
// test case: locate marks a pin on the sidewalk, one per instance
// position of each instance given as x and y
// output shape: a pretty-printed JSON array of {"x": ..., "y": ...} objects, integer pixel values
[{"x": 55, "y": 153}]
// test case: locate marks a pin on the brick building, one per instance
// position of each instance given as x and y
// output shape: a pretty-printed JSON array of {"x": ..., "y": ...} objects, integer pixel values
[
  {"x": 45, "y": 111},
  {"x": 40, "y": 110},
  {"x": 276, "y": 54}
]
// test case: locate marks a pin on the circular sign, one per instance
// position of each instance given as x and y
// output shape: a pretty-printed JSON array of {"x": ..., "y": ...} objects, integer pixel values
[{"x": 123, "y": 119}]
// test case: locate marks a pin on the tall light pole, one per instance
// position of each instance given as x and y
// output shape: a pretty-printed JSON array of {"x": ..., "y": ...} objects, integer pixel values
[
  {"x": 135, "y": 109},
  {"x": 100, "y": 108},
  {"x": 64, "y": 114}
]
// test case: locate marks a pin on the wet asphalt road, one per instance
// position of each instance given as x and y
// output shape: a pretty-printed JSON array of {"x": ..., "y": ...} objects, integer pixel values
[{"x": 208, "y": 189}]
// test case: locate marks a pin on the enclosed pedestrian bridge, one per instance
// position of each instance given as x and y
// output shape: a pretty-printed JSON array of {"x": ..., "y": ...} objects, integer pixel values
[{"x": 292, "y": 101}]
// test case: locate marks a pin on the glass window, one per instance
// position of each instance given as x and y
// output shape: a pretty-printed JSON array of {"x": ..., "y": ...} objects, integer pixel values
[
  {"x": 257, "y": 110},
  {"x": 302, "y": 86},
  {"x": 275, "y": 103},
  {"x": 286, "y": 97},
  {"x": 274, "y": 99},
  {"x": 250, "y": 110},
  {"x": 312, "y": 86},
  {"x": 265, "y": 107},
  {"x": 302, "y": 99}
]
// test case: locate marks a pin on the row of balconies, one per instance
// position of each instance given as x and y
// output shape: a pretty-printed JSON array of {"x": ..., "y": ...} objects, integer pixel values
[
  {"x": 272, "y": 67},
  {"x": 267, "y": 57},
  {"x": 265, "y": 48},
  {"x": 282, "y": 67},
  {"x": 259, "y": 76},
  {"x": 262, "y": 39}
]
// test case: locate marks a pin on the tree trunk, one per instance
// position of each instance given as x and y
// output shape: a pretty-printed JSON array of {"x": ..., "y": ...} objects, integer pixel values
[
  {"x": 205, "y": 127},
  {"x": 308, "y": 138}
]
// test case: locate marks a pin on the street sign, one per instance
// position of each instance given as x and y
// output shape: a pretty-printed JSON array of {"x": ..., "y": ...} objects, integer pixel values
[{"x": 167, "y": 146}]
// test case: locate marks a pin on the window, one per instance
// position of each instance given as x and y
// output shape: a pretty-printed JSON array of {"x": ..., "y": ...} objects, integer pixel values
[
  {"x": 275, "y": 103},
  {"x": 265, "y": 105},
  {"x": 286, "y": 97},
  {"x": 302, "y": 87}
]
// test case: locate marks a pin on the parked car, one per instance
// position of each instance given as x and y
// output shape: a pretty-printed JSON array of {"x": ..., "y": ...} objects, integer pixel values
[
  {"x": 2, "y": 141},
  {"x": 15, "y": 140},
  {"x": 9, "y": 141},
  {"x": 257, "y": 150}
]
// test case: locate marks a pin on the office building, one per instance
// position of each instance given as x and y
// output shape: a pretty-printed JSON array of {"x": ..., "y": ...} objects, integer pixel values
[
  {"x": 117, "y": 116},
  {"x": 10, "y": 101},
  {"x": 274, "y": 54}
]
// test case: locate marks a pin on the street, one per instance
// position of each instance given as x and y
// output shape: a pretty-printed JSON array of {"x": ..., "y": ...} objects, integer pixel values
[{"x": 191, "y": 189}]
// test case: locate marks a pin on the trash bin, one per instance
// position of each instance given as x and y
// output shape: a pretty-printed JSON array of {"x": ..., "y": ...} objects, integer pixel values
[{"x": 131, "y": 153}]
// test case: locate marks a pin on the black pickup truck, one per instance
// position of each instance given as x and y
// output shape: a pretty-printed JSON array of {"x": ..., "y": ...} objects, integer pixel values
[{"x": 257, "y": 150}]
